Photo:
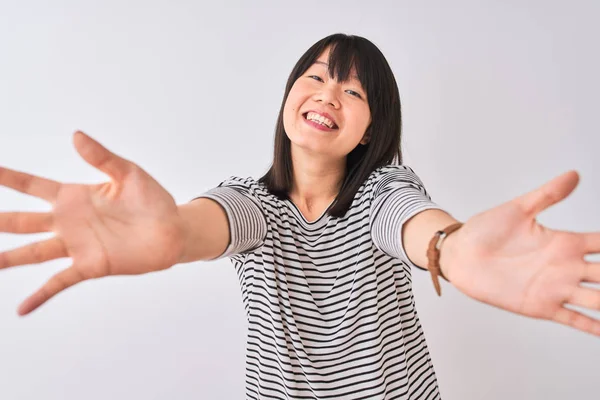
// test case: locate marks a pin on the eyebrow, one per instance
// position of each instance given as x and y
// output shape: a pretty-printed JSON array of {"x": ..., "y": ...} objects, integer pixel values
[{"x": 327, "y": 66}]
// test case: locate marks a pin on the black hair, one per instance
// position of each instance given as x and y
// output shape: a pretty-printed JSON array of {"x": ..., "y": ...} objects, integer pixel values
[{"x": 383, "y": 148}]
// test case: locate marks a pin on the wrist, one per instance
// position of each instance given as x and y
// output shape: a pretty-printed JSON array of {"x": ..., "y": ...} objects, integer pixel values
[
  {"x": 447, "y": 256},
  {"x": 186, "y": 236}
]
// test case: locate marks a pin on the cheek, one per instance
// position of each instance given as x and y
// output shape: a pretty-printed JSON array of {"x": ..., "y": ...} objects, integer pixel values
[
  {"x": 299, "y": 93},
  {"x": 290, "y": 110},
  {"x": 366, "y": 117},
  {"x": 360, "y": 118}
]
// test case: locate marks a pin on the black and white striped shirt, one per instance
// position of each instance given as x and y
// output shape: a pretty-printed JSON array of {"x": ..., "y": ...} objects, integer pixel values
[{"x": 330, "y": 308}]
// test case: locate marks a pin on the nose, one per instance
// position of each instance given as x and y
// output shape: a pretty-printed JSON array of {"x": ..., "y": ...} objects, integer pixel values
[{"x": 328, "y": 96}]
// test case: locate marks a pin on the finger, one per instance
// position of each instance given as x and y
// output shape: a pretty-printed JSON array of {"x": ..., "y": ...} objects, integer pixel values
[
  {"x": 549, "y": 193},
  {"x": 585, "y": 297},
  {"x": 46, "y": 189},
  {"x": 591, "y": 273},
  {"x": 59, "y": 282},
  {"x": 100, "y": 157},
  {"x": 26, "y": 222},
  {"x": 578, "y": 321},
  {"x": 34, "y": 253},
  {"x": 591, "y": 242}
]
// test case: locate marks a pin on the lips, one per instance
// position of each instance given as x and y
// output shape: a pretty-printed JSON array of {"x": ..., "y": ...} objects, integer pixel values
[{"x": 323, "y": 114}]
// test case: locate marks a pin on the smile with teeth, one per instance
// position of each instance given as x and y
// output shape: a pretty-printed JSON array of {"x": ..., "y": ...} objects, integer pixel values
[{"x": 312, "y": 116}]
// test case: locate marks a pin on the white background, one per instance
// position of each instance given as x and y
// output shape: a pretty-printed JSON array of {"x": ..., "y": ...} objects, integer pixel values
[{"x": 498, "y": 98}]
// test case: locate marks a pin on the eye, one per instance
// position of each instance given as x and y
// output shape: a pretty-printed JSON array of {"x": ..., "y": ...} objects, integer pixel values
[
  {"x": 353, "y": 93},
  {"x": 315, "y": 77}
]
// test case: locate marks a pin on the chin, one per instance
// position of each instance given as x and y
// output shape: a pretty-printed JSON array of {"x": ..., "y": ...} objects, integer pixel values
[{"x": 310, "y": 145}]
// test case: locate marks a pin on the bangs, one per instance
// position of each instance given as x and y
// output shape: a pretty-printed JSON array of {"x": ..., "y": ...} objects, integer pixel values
[
  {"x": 348, "y": 53},
  {"x": 343, "y": 55}
]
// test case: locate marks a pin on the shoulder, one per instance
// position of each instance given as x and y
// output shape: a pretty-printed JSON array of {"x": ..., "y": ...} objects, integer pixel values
[
  {"x": 392, "y": 172},
  {"x": 234, "y": 180},
  {"x": 247, "y": 182},
  {"x": 393, "y": 176},
  {"x": 391, "y": 169},
  {"x": 246, "y": 185}
]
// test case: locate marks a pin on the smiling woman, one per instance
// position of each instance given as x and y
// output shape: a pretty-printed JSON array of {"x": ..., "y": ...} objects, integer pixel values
[
  {"x": 317, "y": 241},
  {"x": 323, "y": 244}
]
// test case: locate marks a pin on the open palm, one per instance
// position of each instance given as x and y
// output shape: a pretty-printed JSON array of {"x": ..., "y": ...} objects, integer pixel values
[
  {"x": 129, "y": 225},
  {"x": 505, "y": 258}
]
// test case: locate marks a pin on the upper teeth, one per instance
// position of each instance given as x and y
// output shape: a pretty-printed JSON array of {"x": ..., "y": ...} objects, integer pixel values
[{"x": 319, "y": 118}]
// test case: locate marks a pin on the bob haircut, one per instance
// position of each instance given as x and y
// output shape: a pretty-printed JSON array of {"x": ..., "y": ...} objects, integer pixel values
[{"x": 383, "y": 148}]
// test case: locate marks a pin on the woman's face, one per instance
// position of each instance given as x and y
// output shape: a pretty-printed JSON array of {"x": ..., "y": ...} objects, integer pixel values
[{"x": 324, "y": 116}]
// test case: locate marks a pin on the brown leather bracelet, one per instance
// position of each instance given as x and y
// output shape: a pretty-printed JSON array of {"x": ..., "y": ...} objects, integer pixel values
[{"x": 433, "y": 254}]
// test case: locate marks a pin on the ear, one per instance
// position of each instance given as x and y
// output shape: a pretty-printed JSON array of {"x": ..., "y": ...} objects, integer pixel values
[{"x": 366, "y": 137}]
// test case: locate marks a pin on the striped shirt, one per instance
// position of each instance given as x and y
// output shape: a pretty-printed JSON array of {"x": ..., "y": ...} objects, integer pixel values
[{"x": 329, "y": 303}]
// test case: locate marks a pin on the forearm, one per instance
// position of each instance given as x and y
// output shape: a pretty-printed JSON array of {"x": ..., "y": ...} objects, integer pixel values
[
  {"x": 418, "y": 231},
  {"x": 207, "y": 230}
]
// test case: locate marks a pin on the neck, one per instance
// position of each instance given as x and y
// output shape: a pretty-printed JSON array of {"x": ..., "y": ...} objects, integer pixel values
[{"x": 317, "y": 179}]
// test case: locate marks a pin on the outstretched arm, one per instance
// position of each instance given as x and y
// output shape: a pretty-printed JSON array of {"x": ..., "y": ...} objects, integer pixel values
[
  {"x": 126, "y": 226},
  {"x": 418, "y": 231},
  {"x": 505, "y": 258},
  {"x": 207, "y": 230}
]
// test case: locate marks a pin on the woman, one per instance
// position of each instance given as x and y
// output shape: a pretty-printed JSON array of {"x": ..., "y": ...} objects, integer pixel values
[{"x": 323, "y": 243}]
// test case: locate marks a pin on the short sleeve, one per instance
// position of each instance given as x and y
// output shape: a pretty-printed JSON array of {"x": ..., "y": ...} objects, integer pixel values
[
  {"x": 398, "y": 195},
  {"x": 247, "y": 222}
]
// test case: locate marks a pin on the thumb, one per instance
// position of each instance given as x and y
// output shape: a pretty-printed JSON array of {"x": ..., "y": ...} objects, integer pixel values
[
  {"x": 100, "y": 157},
  {"x": 550, "y": 193}
]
